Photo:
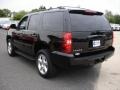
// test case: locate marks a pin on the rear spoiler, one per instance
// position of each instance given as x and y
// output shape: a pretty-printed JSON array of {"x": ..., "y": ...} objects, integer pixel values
[{"x": 85, "y": 12}]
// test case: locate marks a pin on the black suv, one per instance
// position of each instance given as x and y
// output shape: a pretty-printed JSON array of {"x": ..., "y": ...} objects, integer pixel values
[{"x": 61, "y": 38}]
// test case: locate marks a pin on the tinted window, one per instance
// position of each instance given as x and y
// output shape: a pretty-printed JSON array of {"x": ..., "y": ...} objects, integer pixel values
[
  {"x": 89, "y": 22},
  {"x": 23, "y": 23},
  {"x": 34, "y": 22},
  {"x": 53, "y": 21}
]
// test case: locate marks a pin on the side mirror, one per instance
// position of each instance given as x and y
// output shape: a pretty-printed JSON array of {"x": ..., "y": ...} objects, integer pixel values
[{"x": 13, "y": 26}]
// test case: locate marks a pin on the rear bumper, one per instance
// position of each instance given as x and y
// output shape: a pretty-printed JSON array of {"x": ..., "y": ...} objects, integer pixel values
[{"x": 65, "y": 60}]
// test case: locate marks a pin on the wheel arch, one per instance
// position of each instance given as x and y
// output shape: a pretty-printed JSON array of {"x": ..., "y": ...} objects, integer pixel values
[
  {"x": 39, "y": 46},
  {"x": 8, "y": 37}
]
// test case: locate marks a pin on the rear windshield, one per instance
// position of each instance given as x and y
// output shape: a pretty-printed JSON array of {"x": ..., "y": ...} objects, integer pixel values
[{"x": 81, "y": 22}]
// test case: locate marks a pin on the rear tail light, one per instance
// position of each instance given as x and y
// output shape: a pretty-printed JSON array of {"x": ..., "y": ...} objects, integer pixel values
[{"x": 67, "y": 42}]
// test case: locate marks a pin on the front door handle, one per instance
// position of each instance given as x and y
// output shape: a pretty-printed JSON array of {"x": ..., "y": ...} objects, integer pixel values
[{"x": 34, "y": 35}]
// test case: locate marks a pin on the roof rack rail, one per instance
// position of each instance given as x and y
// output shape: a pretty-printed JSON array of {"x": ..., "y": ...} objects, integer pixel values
[{"x": 65, "y": 7}]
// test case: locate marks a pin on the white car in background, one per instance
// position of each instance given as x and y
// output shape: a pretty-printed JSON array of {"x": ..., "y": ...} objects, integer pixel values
[
  {"x": 118, "y": 28},
  {"x": 3, "y": 20},
  {"x": 115, "y": 27},
  {"x": 7, "y": 24}
]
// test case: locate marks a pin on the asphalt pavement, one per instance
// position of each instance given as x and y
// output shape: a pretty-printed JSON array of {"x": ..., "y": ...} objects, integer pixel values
[{"x": 18, "y": 73}]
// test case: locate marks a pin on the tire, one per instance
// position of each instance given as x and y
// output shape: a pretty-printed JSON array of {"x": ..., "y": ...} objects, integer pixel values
[
  {"x": 44, "y": 64},
  {"x": 10, "y": 48}
]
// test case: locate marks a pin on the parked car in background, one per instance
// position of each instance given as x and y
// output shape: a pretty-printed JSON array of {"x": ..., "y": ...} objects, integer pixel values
[
  {"x": 6, "y": 25},
  {"x": 115, "y": 27},
  {"x": 2, "y": 23},
  {"x": 3, "y": 20}
]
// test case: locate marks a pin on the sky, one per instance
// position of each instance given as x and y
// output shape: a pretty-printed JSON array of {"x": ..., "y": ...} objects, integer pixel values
[{"x": 99, "y": 5}]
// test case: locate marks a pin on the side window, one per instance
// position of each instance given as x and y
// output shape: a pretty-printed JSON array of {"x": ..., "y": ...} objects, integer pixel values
[
  {"x": 34, "y": 22},
  {"x": 23, "y": 23},
  {"x": 53, "y": 21}
]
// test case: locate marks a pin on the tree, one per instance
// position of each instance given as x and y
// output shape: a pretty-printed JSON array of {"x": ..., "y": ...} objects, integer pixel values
[
  {"x": 109, "y": 16},
  {"x": 34, "y": 10},
  {"x": 1, "y": 13},
  {"x": 5, "y": 13},
  {"x": 41, "y": 8},
  {"x": 19, "y": 15},
  {"x": 112, "y": 18},
  {"x": 117, "y": 19}
]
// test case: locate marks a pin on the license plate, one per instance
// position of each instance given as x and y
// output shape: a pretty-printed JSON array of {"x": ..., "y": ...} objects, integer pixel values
[{"x": 96, "y": 43}]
